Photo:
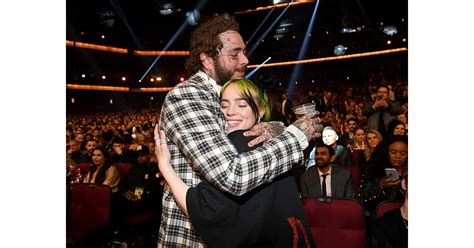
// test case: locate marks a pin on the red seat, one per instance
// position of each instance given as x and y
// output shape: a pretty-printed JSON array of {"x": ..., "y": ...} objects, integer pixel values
[
  {"x": 386, "y": 206},
  {"x": 336, "y": 222},
  {"x": 123, "y": 169},
  {"x": 89, "y": 210},
  {"x": 85, "y": 167},
  {"x": 355, "y": 171}
]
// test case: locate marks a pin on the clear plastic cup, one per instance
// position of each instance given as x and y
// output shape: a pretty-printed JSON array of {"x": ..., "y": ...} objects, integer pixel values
[{"x": 303, "y": 109}]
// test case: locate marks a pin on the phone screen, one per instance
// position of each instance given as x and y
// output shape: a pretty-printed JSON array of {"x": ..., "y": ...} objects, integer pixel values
[{"x": 392, "y": 172}]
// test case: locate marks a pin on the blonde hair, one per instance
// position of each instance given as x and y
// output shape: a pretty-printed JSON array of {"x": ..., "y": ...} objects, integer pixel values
[{"x": 368, "y": 150}]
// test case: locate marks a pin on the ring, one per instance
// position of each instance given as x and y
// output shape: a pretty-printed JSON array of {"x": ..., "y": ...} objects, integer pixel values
[
  {"x": 162, "y": 141},
  {"x": 265, "y": 132}
]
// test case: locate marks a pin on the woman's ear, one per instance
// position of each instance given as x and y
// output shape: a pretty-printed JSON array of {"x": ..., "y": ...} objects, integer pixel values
[{"x": 261, "y": 112}]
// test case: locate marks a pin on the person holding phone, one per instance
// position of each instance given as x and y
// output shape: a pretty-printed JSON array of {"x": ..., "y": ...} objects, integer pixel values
[
  {"x": 381, "y": 111},
  {"x": 383, "y": 176}
]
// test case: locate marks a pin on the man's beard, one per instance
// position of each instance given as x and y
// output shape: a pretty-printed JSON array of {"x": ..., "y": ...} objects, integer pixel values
[{"x": 222, "y": 76}]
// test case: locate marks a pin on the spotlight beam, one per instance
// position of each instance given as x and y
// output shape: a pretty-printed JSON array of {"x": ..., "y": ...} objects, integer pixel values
[
  {"x": 258, "y": 28},
  {"x": 256, "y": 69},
  {"x": 170, "y": 42},
  {"x": 302, "y": 53},
  {"x": 198, "y": 7},
  {"x": 252, "y": 49}
]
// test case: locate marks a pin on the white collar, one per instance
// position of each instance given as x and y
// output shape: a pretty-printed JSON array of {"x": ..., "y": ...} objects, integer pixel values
[
  {"x": 329, "y": 171},
  {"x": 210, "y": 80}
]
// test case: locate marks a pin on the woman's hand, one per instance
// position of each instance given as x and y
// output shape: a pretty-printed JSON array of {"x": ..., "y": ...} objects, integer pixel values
[
  {"x": 161, "y": 150},
  {"x": 386, "y": 182}
]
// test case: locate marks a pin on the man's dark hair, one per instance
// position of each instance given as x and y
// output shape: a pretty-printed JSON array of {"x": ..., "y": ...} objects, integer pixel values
[
  {"x": 205, "y": 40},
  {"x": 352, "y": 119},
  {"x": 330, "y": 149},
  {"x": 118, "y": 140}
]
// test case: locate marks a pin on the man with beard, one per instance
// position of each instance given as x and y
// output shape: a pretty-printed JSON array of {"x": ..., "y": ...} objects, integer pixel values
[
  {"x": 196, "y": 130},
  {"x": 324, "y": 180}
]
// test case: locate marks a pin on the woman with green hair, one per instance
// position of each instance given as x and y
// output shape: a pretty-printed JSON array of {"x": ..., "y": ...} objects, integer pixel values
[{"x": 271, "y": 215}]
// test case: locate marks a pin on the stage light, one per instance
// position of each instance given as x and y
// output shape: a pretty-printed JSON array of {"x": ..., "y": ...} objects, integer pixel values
[
  {"x": 103, "y": 77},
  {"x": 152, "y": 79},
  {"x": 390, "y": 30},
  {"x": 111, "y": 101},
  {"x": 166, "y": 8},
  {"x": 389, "y": 42},
  {"x": 158, "y": 78},
  {"x": 404, "y": 40},
  {"x": 181, "y": 79},
  {"x": 73, "y": 100},
  {"x": 102, "y": 36},
  {"x": 339, "y": 50},
  {"x": 124, "y": 78},
  {"x": 278, "y": 36},
  {"x": 151, "y": 98},
  {"x": 83, "y": 75},
  {"x": 280, "y": 1},
  {"x": 348, "y": 30},
  {"x": 107, "y": 17},
  {"x": 192, "y": 17}
]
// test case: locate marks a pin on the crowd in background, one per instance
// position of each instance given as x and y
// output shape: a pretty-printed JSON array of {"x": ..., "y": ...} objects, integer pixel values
[{"x": 365, "y": 125}]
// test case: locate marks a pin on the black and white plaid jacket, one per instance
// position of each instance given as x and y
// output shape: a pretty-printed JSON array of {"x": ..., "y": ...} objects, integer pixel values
[{"x": 196, "y": 132}]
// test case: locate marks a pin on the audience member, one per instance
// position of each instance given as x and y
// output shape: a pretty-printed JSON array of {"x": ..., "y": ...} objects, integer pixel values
[
  {"x": 381, "y": 111},
  {"x": 151, "y": 146},
  {"x": 77, "y": 154},
  {"x": 396, "y": 127},
  {"x": 324, "y": 180},
  {"x": 376, "y": 184},
  {"x": 373, "y": 138},
  {"x": 391, "y": 230},
  {"x": 102, "y": 172},
  {"x": 141, "y": 189},
  {"x": 403, "y": 118},
  {"x": 323, "y": 103},
  {"x": 120, "y": 155},
  {"x": 348, "y": 137},
  {"x": 342, "y": 155},
  {"x": 357, "y": 149},
  {"x": 90, "y": 146}
]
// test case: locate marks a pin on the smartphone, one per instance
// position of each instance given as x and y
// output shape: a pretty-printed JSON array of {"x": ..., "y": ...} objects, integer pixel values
[{"x": 392, "y": 172}]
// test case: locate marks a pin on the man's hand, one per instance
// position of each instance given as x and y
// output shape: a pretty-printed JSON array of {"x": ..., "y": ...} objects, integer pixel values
[
  {"x": 265, "y": 131},
  {"x": 310, "y": 126}
]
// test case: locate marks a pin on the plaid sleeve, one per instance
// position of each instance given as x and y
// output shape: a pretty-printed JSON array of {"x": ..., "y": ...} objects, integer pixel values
[{"x": 192, "y": 120}]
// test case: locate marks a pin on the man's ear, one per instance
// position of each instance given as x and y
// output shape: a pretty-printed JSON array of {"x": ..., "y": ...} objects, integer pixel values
[{"x": 206, "y": 61}]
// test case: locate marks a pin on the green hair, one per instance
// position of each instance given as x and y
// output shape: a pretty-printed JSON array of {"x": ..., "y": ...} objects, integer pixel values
[{"x": 253, "y": 95}]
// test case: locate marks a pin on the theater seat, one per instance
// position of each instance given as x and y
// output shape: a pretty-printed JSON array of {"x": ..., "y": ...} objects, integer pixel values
[
  {"x": 336, "y": 222},
  {"x": 123, "y": 169},
  {"x": 85, "y": 167},
  {"x": 386, "y": 206},
  {"x": 89, "y": 210},
  {"x": 355, "y": 171}
]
